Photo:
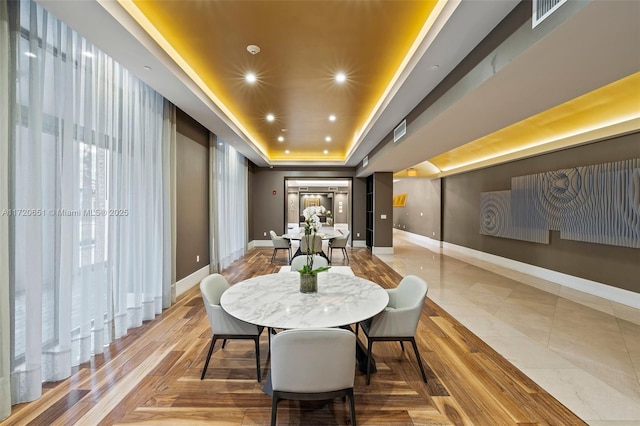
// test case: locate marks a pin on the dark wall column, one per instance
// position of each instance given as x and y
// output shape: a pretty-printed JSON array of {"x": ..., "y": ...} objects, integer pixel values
[{"x": 382, "y": 211}]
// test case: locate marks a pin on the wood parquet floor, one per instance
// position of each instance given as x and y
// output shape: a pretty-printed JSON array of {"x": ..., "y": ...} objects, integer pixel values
[{"x": 152, "y": 376}]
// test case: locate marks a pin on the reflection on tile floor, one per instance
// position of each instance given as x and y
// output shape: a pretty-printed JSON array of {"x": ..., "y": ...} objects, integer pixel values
[{"x": 582, "y": 349}]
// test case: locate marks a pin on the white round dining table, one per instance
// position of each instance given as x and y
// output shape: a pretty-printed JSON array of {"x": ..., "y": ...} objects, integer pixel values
[{"x": 275, "y": 301}]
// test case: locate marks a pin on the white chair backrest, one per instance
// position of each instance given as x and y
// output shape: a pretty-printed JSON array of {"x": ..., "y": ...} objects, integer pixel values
[
  {"x": 313, "y": 360},
  {"x": 299, "y": 261},
  {"x": 211, "y": 288},
  {"x": 411, "y": 292},
  {"x": 317, "y": 244},
  {"x": 401, "y": 317},
  {"x": 340, "y": 241}
]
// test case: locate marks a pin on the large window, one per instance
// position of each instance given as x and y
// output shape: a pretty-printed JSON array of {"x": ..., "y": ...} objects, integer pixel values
[{"x": 89, "y": 161}]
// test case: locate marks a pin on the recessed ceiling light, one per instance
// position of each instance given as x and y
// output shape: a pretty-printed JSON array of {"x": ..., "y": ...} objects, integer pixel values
[
  {"x": 220, "y": 143},
  {"x": 286, "y": 151},
  {"x": 250, "y": 77},
  {"x": 341, "y": 77},
  {"x": 31, "y": 55},
  {"x": 326, "y": 152},
  {"x": 270, "y": 117},
  {"x": 87, "y": 54},
  {"x": 434, "y": 67},
  {"x": 280, "y": 138},
  {"x": 328, "y": 138},
  {"x": 332, "y": 117},
  {"x": 253, "y": 49}
]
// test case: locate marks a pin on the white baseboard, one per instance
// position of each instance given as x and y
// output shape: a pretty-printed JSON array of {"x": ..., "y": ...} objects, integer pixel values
[
  {"x": 614, "y": 294},
  {"x": 421, "y": 240},
  {"x": 359, "y": 243},
  {"x": 382, "y": 250},
  {"x": 259, "y": 243},
  {"x": 189, "y": 281}
]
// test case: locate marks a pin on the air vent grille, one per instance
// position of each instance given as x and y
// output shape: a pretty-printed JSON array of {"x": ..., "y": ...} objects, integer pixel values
[
  {"x": 332, "y": 188},
  {"x": 400, "y": 131},
  {"x": 303, "y": 188},
  {"x": 542, "y": 9}
]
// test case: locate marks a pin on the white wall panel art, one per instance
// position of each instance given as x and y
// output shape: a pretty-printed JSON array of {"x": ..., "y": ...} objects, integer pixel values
[{"x": 597, "y": 204}]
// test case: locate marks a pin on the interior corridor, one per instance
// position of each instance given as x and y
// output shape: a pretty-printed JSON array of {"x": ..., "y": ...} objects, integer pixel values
[{"x": 582, "y": 349}]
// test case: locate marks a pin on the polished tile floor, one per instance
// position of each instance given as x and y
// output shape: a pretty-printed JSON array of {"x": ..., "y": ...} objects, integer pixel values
[{"x": 582, "y": 349}]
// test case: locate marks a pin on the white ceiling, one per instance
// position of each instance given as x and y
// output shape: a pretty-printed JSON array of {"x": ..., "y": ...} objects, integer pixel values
[{"x": 597, "y": 43}]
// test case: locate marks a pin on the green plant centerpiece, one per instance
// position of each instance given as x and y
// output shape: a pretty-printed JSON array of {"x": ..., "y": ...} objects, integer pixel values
[{"x": 308, "y": 275}]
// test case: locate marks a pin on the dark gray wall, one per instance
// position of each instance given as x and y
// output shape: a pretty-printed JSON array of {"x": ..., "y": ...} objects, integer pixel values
[
  {"x": 267, "y": 211},
  {"x": 383, "y": 205},
  {"x": 421, "y": 213},
  {"x": 615, "y": 266},
  {"x": 192, "y": 196}
]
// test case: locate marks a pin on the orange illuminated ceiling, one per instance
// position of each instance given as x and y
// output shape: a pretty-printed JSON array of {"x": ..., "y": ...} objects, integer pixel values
[{"x": 303, "y": 45}]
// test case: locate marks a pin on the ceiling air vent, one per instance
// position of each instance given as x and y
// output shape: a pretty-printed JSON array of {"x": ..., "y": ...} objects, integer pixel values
[
  {"x": 400, "y": 131},
  {"x": 303, "y": 188},
  {"x": 542, "y": 9},
  {"x": 332, "y": 188}
]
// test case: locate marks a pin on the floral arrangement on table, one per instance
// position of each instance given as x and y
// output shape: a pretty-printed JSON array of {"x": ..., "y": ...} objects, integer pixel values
[{"x": 311, "y": 226}]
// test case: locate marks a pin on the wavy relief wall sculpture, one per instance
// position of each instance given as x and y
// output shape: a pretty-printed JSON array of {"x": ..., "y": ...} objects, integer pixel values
[{"x": 596, "y": 204}]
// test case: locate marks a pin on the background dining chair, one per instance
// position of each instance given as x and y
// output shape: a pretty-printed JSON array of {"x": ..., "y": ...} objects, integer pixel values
[
  {"x": 299, "y": 261},
  {"x": 313, "y": 364},
  {"x": 339, "y": 243},
  {"x": 399, "y": 320},
  {"x": 223, "y": 325},
  {"x": 317, "y": 245},
  {"x": 280, "y": 243}
]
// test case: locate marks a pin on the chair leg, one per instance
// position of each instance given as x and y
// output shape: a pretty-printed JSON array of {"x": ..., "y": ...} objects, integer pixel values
[
  {"x": 369, "y": 348},
  {"x": 352, "y": 408},
  {"x": 357, "y": 328},
  {"x": 257, "y": 342},
  {"x": 274, "y": 407},
  {"x": 415, "y": 349},
  {"x": 402, "y": 345},
  {"x": 224, "y": 343},
  {"x": 273, "y": 255},
  {"x": 344, "y": 251},
  {"x": 206, "y": 363}
]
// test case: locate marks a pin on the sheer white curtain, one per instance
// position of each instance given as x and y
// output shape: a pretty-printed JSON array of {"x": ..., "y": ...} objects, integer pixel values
[
  {"x": 5, "y": 339},
  {"x": 230, "y": 169},
  {"x": 89, "y": 192}
]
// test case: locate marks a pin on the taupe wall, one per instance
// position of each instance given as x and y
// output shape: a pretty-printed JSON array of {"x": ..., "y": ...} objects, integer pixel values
[
  {"x": 267, "y": 211},
  {"x": 383, "y": 205},
  {"x": 192, "y": 187},
  {"x": 421, "y": 214},
  {"x": 346, "y": 205},
  {"x": 616, "y": 266}
]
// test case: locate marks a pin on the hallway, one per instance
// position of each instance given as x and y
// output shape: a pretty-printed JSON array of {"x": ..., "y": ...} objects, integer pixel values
[{"x": 582, "y": 349}]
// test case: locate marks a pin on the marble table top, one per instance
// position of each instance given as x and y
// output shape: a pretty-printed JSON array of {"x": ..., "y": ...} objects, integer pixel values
[
  {"x": 275, "y": 301},
  {"x": 324, "y": 234}
]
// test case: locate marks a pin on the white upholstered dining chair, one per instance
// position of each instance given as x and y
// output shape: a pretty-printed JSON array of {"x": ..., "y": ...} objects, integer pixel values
[
  {"x": 280, "y": 243},
  {"x": 313, "y": 364},
  {"x": 339, "y": 243},
  {"x": 317, "y": 244},
  {"x": 399, "y": 320},
  {"x": 223, "y": 325}
]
